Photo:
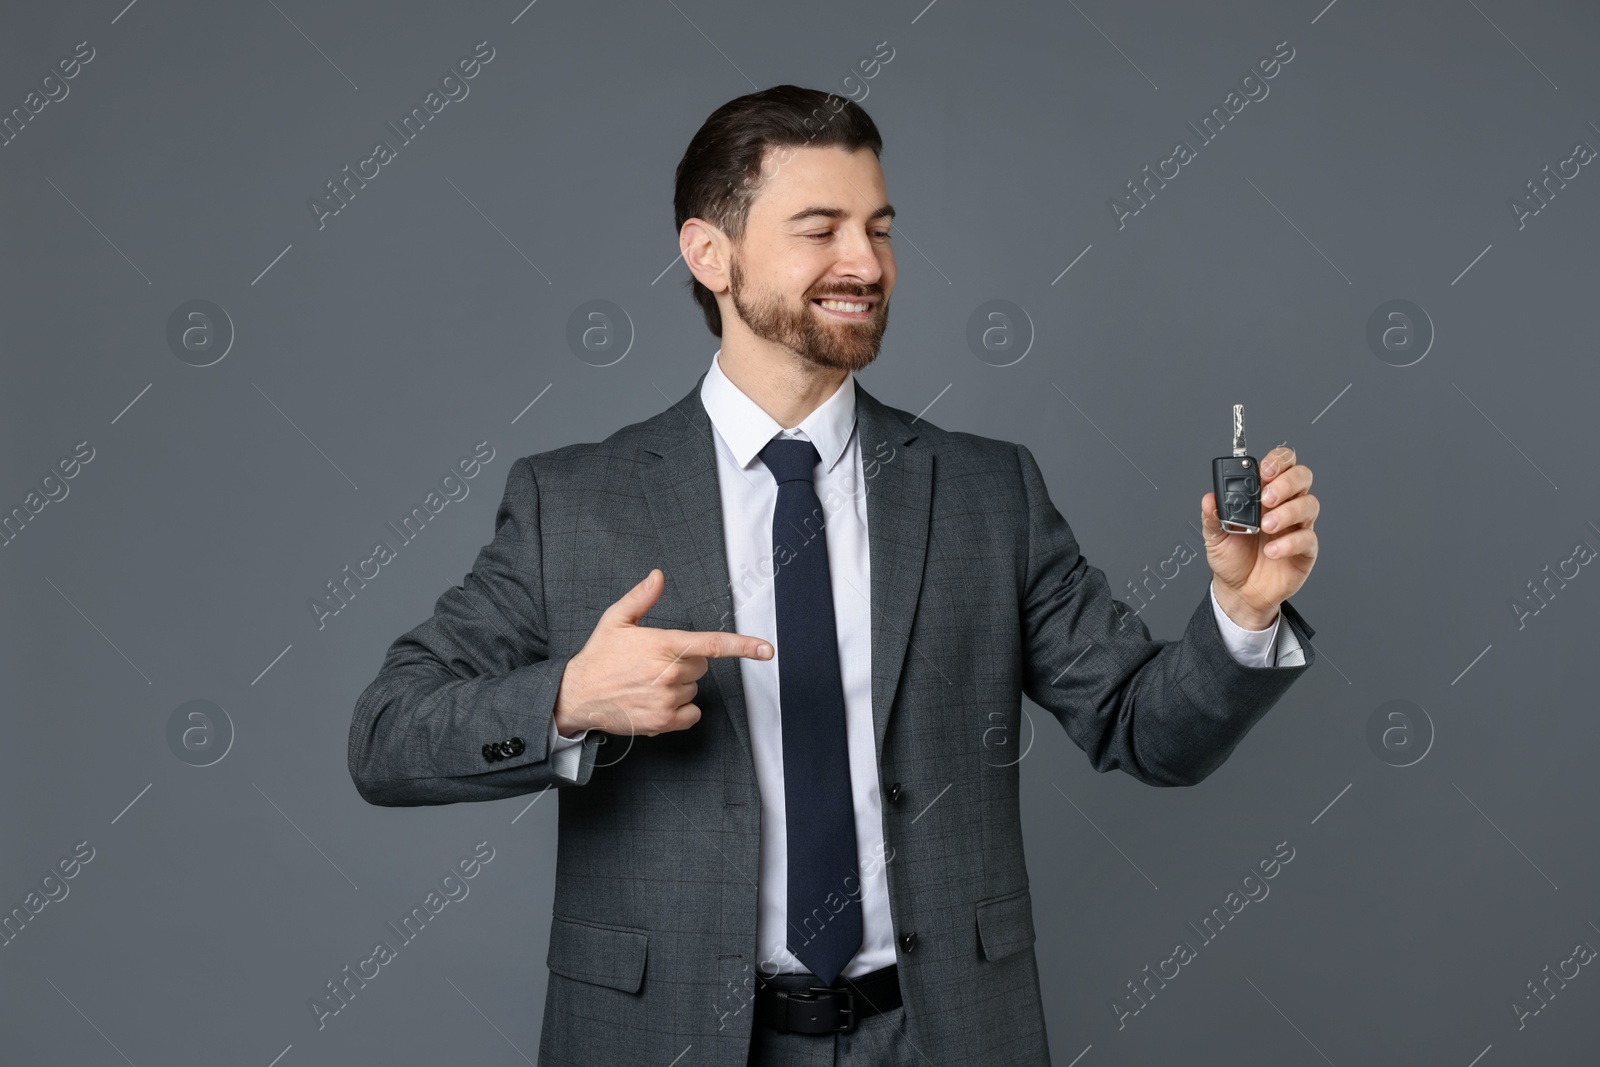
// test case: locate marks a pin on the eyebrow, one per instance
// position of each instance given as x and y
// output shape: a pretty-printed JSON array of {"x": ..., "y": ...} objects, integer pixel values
[{"x": 886, "y": 211}]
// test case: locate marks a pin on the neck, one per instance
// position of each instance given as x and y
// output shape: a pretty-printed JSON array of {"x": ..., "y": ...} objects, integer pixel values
[{"x": 782, "y": 384}]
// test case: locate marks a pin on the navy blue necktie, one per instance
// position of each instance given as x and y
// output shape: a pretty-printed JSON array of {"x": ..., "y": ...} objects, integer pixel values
[{"x": 824, "y": 886}]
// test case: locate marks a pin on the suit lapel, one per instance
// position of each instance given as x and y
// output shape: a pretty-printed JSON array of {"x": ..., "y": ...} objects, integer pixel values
[
  {"x": 685, "y": 502},
  {"x": 899, "y": 488}
]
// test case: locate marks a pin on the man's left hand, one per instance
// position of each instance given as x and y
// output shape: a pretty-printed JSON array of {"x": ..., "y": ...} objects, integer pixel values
[{"x": 1253, "y": 573}]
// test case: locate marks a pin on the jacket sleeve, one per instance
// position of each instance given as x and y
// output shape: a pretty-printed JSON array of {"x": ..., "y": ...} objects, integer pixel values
[
  {"x": 477, "y": 673},
  {"x": 1166, "y": 712}
]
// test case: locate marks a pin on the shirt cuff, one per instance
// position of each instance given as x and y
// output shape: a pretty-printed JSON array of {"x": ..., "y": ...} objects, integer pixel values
[
  {"x": 1290, "y": 654},
  {"x": 566, "y": 751},
  {"x": 1252, "y": 648}
]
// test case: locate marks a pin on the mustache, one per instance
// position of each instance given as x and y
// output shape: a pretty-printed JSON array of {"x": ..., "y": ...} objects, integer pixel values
[{"x": 874, "y": 291}]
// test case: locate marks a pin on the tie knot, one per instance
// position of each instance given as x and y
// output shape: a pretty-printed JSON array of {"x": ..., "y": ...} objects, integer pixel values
[{"x": 790, "y": 459}]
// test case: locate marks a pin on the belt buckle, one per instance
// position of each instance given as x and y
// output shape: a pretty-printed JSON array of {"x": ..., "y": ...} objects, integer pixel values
[{"x": 813, "y": 995}]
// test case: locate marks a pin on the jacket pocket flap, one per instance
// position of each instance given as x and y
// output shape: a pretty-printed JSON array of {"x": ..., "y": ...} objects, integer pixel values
[
  {"x": 611, "y": 956},
  {"x": 1005, "y": 924}
]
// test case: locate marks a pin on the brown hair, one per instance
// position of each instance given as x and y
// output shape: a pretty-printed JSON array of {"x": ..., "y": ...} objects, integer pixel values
[{"x": 723, "y": 168}]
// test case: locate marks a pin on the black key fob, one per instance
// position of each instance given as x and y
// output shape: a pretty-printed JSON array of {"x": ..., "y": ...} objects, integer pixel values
[{"x": 1236, "y": 480}]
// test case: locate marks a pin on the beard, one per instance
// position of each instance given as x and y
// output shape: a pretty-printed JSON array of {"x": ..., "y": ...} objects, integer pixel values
[{"x": 836, "y": 345}]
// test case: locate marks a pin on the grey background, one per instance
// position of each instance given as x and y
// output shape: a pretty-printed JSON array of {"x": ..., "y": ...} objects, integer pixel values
[{"x": 434, "y": 309}]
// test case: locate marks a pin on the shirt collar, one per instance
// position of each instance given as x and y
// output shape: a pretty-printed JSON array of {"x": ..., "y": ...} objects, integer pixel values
[{"x": 746, "y": 428}]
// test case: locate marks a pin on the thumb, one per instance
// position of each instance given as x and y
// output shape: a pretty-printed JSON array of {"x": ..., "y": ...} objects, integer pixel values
[
  {"x": 636, "y": 602},
  {"x": 1210, "y": 523}
]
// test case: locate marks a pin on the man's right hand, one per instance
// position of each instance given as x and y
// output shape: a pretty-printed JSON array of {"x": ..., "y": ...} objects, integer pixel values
[{"x": 630, "y": 679}]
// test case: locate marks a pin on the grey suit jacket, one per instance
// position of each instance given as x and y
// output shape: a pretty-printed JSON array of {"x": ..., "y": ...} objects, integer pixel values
[{"x": 979, "y": 595}]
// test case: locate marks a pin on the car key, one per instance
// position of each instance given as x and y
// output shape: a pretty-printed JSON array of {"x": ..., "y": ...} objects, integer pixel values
[{"x": 1237, "y": 483}]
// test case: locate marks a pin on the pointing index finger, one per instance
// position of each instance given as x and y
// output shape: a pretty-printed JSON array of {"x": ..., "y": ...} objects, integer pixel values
[{"x": 716, "y": 644}]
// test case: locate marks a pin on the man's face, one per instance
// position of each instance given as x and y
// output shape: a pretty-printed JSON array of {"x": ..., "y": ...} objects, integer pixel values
[{"x": 818, "y": 230}]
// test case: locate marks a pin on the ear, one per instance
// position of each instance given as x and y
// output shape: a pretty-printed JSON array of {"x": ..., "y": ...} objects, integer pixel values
[{"x": 705, "y": 249}]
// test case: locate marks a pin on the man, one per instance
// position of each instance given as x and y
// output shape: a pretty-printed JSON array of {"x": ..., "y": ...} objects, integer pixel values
[{"x": 801, "y": 839}]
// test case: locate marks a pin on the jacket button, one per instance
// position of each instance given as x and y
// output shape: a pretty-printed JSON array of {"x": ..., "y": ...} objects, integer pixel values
[
  {"x": 491, "y": 753},
  {"x": 909, "y": 941},
  {"x": 515, "y": 747},
  {"x": 894, "y": 793}
]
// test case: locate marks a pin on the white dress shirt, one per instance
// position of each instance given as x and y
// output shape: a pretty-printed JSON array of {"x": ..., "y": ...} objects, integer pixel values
[{"x": 749, "y": 497}]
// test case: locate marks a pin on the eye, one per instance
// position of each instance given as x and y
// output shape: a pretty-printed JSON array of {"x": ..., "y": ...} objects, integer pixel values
[{"x": 826, "y": 234}]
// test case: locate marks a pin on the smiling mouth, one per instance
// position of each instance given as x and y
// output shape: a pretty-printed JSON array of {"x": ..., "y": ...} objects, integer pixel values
[{"x": 846, "y": 308}]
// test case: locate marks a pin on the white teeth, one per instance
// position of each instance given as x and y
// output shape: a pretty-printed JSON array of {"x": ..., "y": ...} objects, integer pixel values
[{"x": 840, "y": 305}]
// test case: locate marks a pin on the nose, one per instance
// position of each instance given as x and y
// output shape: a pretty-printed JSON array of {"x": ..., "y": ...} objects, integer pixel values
[{"x": 858, "y": 258}]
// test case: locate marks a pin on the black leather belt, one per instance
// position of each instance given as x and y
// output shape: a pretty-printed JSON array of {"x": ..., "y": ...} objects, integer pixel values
[{"x": 797, "y": 1004}]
